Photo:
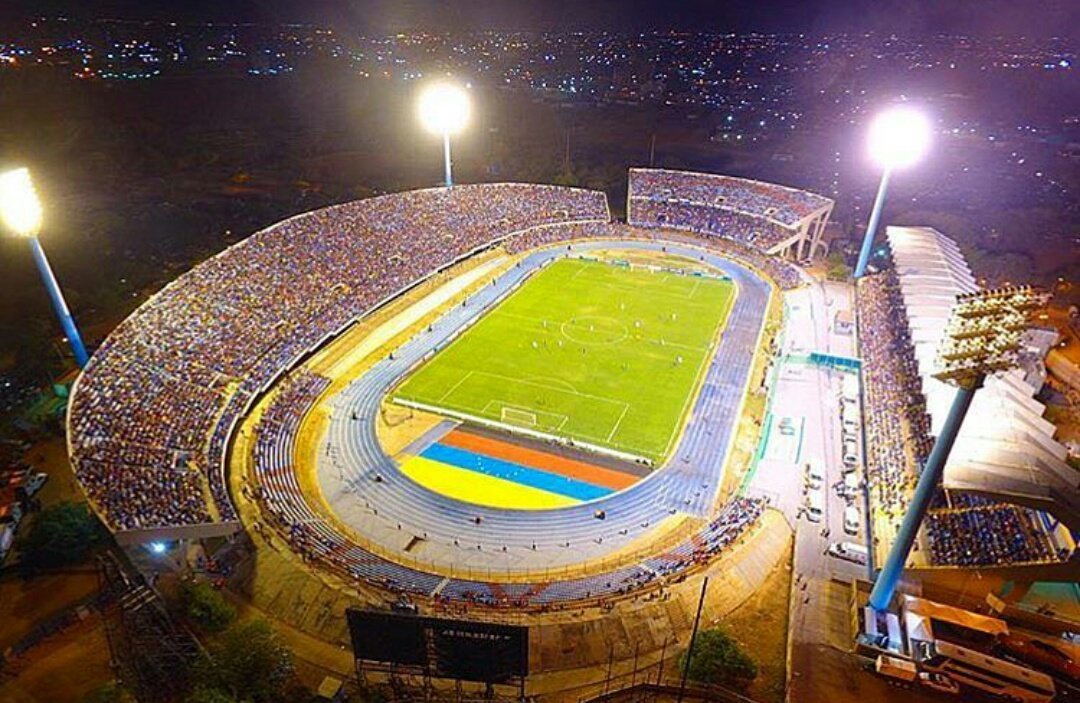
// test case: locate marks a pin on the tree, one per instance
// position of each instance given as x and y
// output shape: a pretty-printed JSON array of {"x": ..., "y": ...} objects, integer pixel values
[
  {"x": 109, "y": 693},
  {"x": 206, "y": 606},
  {"x": 248, "y": 662},
  {"x": 837, "y": 269},
  {"x": 202, "y": 694},
  {"x": 61, "y": 535},
  {"x": 718, "y": 659}
]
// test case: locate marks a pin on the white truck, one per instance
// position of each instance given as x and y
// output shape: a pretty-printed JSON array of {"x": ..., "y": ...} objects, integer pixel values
[{"x": 905, "y": 672}]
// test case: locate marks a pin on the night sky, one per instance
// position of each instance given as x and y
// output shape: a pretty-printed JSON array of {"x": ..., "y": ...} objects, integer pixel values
[{"x": 904, "y": 17}]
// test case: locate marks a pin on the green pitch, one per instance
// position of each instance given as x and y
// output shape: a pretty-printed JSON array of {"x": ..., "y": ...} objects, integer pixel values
[{"x": 590, "y": 351}]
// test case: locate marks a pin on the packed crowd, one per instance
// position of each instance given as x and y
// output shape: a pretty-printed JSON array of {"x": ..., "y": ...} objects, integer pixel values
[
  {"x": 786, "y": 206},
  {"x": 152, "y": 413},
  {"x": 758, "y": 214},
  {"x": 989, "y": 536},
  {"x": 152, "y": 410},
  {"x": 711, "y": 220},
  {"x": 896, "y": 423},
  {"x": 962, "y": 529}
]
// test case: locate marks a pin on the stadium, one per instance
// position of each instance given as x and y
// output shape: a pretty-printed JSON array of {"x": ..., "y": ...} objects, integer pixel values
[{"x": 495, "y": 401}]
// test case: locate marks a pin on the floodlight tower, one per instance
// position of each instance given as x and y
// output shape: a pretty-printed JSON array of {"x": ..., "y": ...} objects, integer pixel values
[
  {"x": 982, "y": 338},
  {"x": 21, "y": 211},
  {"x": 444, "y": 110},
  {"x": 898, "y": 138}
]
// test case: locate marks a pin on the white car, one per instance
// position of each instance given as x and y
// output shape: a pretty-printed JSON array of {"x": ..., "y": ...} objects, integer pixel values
[
  {"x": 815, "y": 506},
  {"x": 814, "y": 477},
  {"x": 7, "y": 536},
  {"x": 852, "y": 520},
  {"x": 848, "y": 551}
]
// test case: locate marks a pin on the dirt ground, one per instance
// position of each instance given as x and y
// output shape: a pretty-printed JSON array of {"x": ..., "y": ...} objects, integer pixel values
[
  {"x": 63, "y": 668},
  {"x": 760, "y": 625}
]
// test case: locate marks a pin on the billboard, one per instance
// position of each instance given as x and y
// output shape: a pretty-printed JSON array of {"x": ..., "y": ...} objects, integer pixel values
[
  {"x": 387, "y": 637},
  {"x": 453, "y": 649}
]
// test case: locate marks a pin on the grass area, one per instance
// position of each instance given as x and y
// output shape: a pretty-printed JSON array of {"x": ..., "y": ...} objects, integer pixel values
[{"x": 594, "y": 352}]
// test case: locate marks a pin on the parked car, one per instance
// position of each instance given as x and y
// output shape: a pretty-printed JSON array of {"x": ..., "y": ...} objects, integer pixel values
[
  {"x": 7, "y": 536},
  {"x": 849, "y": 551},
  {"x": 25, "y": 481},
  {"x": 852, "y": 520},
  {"x": 815, "y": 505}
]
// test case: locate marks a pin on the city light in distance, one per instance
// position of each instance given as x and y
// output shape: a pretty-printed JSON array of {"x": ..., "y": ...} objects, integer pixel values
[
  {"x": 444, "y": 108},
  {"x": 19, "y": 204},
  {"x": 899, "y": 137}
]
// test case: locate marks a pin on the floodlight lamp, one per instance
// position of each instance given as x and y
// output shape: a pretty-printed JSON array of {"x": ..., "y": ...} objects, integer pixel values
[
  {"x": 899, "y": 137},
  {"x": 19, "y": 205},
  {"x": 444, "y": 108}
]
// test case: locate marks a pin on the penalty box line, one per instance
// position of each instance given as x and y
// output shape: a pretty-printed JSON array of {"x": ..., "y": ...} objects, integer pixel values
[{"x": 486, "y": 410}]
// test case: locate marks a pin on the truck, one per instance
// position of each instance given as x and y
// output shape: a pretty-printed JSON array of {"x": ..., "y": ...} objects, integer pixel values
[{"x": 906, "y": 673}]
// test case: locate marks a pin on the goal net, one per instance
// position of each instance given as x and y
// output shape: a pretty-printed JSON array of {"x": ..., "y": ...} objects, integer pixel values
[{"x": 516, "y": 416}]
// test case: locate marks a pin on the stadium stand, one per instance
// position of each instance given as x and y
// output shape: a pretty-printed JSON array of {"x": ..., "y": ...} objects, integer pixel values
[
  {"x": 770, "y": 218},
  {"x": 151, "y": 412},
  {"x": 901, "y": 316},
  {"x": 151, "y": 416}
]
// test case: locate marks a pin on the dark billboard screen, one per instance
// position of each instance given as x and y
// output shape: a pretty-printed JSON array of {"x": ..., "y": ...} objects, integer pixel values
[
  {"x": 387, "y": 637},
  {"x": 459, "y": 649},
  {"x": 476, "y": 651}
]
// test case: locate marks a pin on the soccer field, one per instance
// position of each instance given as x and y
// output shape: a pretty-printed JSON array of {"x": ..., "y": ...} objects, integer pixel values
[{"x": 595, "y": 352}]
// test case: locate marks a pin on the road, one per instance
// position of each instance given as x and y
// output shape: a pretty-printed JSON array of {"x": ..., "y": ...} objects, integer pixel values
[{"x": 821, "y": 667}]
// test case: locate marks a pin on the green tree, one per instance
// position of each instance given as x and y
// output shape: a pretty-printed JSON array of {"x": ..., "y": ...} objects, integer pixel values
[
  {"x": 109, "y": 693},
  {"x": 205, "y": 605},
  {"x": 837, "y": 269},
  {"x": 248, "y": 662},
  {"x": 61, "y": 535},
  {"x": 202, "y": 694},
  {"x": 718, "y": 659}
]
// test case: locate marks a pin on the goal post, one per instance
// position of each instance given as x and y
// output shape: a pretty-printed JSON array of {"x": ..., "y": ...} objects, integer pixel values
[{"x": 517, "y": 416}]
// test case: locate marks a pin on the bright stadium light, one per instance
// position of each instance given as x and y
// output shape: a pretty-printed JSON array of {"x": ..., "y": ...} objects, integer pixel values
[
  {"x": 444, "y": 110},
  {"x": 899, "y": 137},
  {"x": 19, "y": 204},
  {"x": 20, "y": 211}
]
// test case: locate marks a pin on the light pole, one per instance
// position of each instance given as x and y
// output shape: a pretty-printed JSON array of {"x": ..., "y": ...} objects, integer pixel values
[
  {"x": 898, "y": 138},
  {"x": 21, "y": 212},
  {"x": 982, "y": 338},
  {"x": 444, "y": 110}
]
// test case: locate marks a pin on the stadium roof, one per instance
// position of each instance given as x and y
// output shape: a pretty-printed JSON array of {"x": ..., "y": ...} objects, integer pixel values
[{"x": 1005, "y": 447}]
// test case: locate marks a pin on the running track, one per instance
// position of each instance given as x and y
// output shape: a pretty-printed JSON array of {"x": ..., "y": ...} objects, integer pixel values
[{"x": 351, "y": 457}]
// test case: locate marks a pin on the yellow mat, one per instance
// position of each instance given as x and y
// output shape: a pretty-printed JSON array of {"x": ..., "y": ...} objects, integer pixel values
[{"x": 473, "y": 487}]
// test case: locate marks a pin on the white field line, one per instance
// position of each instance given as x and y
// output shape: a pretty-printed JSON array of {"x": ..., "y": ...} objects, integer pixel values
[
  {"x": 618, "y": 422},
  {"x": 454, "y": 387},
  {"x": 527, "y": 318},
  {"x": 548, "y": 387},
  {"x": 513, "y": 429}
]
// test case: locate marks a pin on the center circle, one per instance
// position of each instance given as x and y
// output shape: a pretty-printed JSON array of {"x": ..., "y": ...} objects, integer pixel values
[{"x": 595, "y": 330}]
